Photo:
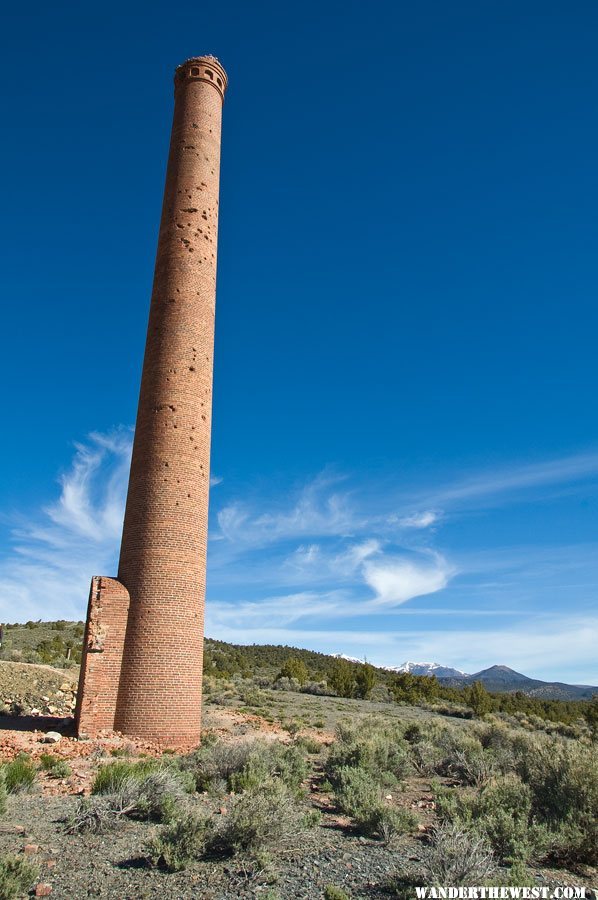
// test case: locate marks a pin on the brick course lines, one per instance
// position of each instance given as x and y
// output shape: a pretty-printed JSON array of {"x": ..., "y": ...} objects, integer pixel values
[
  {"x": 163, "y": 550},
  {"x": 103, "y": 644}
]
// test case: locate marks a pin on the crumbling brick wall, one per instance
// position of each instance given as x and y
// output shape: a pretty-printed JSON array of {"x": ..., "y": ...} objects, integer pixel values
[{"x": 101, "y": 663}]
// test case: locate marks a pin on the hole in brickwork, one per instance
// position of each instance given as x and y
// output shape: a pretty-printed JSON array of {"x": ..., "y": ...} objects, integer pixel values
[
  {"x": 194, "y": 72},
  {"x": 210, "y": 74}
]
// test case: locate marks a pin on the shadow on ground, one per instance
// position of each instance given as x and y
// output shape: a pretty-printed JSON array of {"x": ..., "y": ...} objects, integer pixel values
[{"x": 63, "y": 725}]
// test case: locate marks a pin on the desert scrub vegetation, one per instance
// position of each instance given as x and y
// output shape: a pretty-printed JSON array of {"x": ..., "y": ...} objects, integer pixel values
[
  {"x": 149, "y": 790},
  {"x": 308, "y": 744},
  {"x": 377, "y": 746},
  {"x": 266, "y": 815},
  {"x": 456, "y": 856},
  {"x": 453, "y": 855},
  {"x": 3, "y": 795},
  {"x": 18, "y": 774},
  {"x": 358, "y": 794},
  {"x": 264, "y": 818},
  {"x": 332, "y": 892},
  {"x": 500, "y": 812},
  {"x": 471, "y": 756},
  {"x": 361, "y": 765},
  {"x": 17, "y": 875},
  {"x": 181, "y": 842},
  {"x": 54, "y": 765},
  {"x": 562, "y": 776},
  {"x": 220, "y": 766},
  {"x": 537, "y": 798},
  {"x": 266, "y": 811}
]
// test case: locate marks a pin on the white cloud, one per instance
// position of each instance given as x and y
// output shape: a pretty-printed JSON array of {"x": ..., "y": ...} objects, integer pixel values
[
  {"x": 533, "y": 647},
  {"x": 563, "y": 470},
  {"x": 304, "y": 557},
  {"x": 543, "y": 646},
  {"x": 419, "y": 519},
  {"x": 215, "y": 480},
  {"x": 273, "y": 612},
  {"x": 316, "y": 511},
  {"x": 346, "y": 545},
  {"x": 352, "y": 559},
  {"x": 58, "y": 550},
  {"x": 396, "y": 581}
]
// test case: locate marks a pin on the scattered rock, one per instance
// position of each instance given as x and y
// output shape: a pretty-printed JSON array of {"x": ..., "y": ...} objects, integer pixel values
[
  {"x": 31, "y": 849},
  {"x": 43, "y": 889},
  {"x": 51, "y": 737}
]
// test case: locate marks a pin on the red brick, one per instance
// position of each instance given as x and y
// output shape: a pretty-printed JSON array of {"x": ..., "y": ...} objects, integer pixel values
[{"x": 151, "y": 686}]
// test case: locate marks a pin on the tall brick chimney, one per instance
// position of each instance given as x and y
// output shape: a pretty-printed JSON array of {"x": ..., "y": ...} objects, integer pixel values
[{"x": 142, "y": 667}]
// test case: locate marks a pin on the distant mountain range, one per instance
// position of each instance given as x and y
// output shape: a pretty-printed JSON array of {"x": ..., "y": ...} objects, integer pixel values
[
  {"x": 502, "y": 679},
  {"x": 497, "y": 679}
]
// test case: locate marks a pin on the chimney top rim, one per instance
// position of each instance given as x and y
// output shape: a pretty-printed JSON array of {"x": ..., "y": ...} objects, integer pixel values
[{"x": 204, "y": 59}]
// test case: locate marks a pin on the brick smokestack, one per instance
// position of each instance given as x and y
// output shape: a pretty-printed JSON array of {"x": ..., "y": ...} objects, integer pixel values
[{"x": 162, "y": 564}]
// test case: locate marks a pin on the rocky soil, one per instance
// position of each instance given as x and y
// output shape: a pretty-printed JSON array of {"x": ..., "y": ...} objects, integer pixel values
[
  {"x": 34, "y": 690},
  {"x": 114, "y": 865}
]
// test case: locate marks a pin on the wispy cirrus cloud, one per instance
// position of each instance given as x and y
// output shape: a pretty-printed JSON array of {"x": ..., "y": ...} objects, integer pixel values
[
  {"x": 419, "y": 519},
  {"x": 318, "y": 508},
  {"x": 57, "y": 550},
  {"x": 335, "y": 564},
  {"x": 508, "y": 481}
]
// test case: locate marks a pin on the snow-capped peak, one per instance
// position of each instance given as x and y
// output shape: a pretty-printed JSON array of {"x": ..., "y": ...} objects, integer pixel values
[{"x": 427, "y": 668}]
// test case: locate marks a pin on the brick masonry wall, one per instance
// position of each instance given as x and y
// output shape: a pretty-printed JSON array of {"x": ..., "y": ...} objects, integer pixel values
[
  {"x": 163, "y": 550},
  {"x": 107, "y": 614}
]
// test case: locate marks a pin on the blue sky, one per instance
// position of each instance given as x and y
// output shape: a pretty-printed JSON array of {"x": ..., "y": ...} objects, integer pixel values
[{"x": 405, "y": 450}]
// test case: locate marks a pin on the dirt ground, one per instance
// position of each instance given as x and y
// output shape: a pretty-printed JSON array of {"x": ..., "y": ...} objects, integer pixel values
[{"x": 114, "y": 865}]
